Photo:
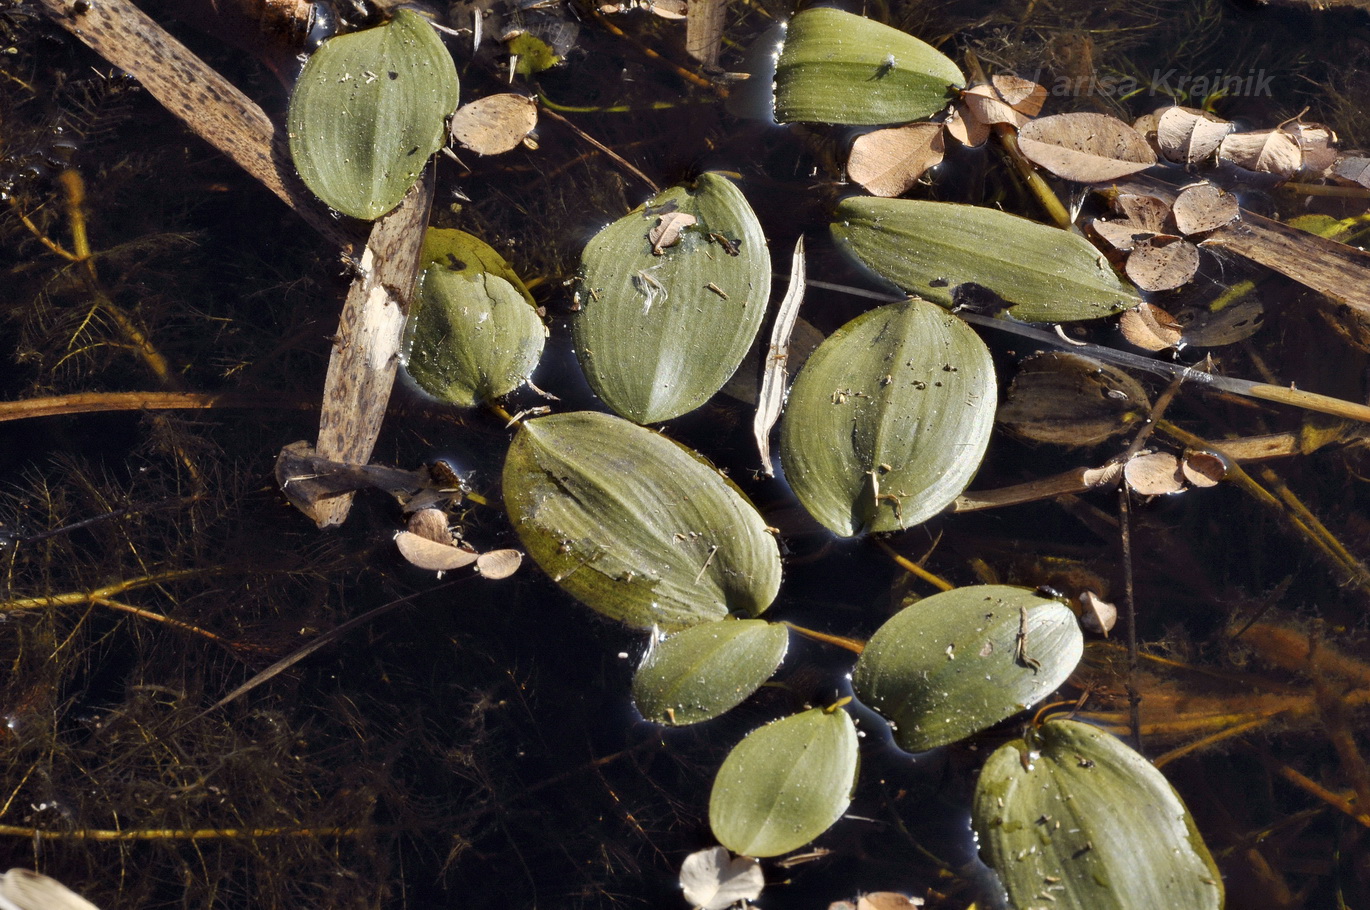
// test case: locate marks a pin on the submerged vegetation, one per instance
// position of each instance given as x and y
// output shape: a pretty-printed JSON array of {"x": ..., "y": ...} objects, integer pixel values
[{"x": 211, "y": 702}]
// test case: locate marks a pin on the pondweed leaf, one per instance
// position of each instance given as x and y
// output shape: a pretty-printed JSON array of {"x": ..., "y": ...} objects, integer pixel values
[
  {"x": 837, "y": 67},
  {"x": 932, "y": 249},
  {"x": 959, "y": 662},
  {"x": 888, "y": 420},
  {"x": 634, "y": 525},
  {"x": 367, "y": 113},
  {"x": 698, "y": 674},
  {"x": 785, "y": 784},
  {"x": 664, "y": 322},
  {"x": 473, "y": 332},
  {"x": 1072, "y": 812}
]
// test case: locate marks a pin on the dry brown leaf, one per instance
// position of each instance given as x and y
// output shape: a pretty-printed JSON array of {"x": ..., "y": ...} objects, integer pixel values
[
  {"x": 887, "y": 900},
  {"x": 499, "y": 563},
  {"x": 431, "y": 524},
  {"x": 984, "y": 105},
  {"x": 1188, "y": 136},
  {"x": 965, "y": 129},
  {"x": 432, "y": 555},
  {"x": 1204, "y": 207},
  {"x": 1085, "y": 147},
  {"x": 1096, "y": 614},
  {"x": 1266, "y": 151},
  {"x": 1144, "y": 216},
  {"x": 495, "y": 123},
  {"x": 667, "y": 230},
  {"x": 1353, "y": 170},
  {"x": 1153, "y": 474},
  {"x": 1121, "y": 235},
  {"x": 1317, "y": 144},
  {"x": 1023, "y": 95},
  {"x": 1149, "y": 327},
  {"x": 1162, "y": 263},
  {"x": 889, "y": 162},
  {"x": 1203, "y": 469}
]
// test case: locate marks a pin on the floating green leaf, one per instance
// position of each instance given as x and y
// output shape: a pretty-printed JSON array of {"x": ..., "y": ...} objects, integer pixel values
[
  {"x": 785, "y": 784},
  {"x": 671, "y": 296},
  {"x": 888, "y": 420},
  {"x": 958, "y": 662},
  {"x": 1073, "y": 819},
  {"x": 367, "y": 113},
  {"x": 698, "y": 674},
  {"x": 836, "y": 67},
  {"x": 473, "y": 332},
  {"x": 636, "y": 526},
  {"x": 1042, "y": 273}
]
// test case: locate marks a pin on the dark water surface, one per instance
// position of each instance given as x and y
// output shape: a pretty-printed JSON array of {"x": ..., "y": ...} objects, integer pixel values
[{"x": 476, "y": 747}]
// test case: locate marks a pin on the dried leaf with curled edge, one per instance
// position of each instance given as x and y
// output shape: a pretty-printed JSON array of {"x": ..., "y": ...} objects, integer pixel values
[
  {"x": 1023, "y": 95},
  {"x": 494, "y": 124},
  {"x": 713, "y": 879},
  {"x": 785, "y": 784},
  {"x": 1189, "y": 136},
  {"x": 1203, "y": 469},
  {"x": 887, "y": 422},
  {"x": 1071, "y": 400},
  {"x": 1151, "y": 328},
  {"x": 837, "y": 67},
  {"x": 1143, "y": 216},
  {"x": 887, "y": 900},
  {"x": 1318, "y": 145},
  {"x": 1154, "y": 474},
  {"x": 1071, "y": 808},
  {"x": 498, "y": 564},
  {"x": 932, "y": 248},
  {"x": 959, "y": 662},
  {"x": 635, "y": 526},
  {"x": 431, "y": 554},
  {"x": 965, "y": 129},
  {"x": 661, "y": 328},
  {"x": 23, "y": 889},
  {"x": 1267, "y": 151},
  {"x": 984, "y": 104},
  {"x": 889, "y": 162},
  {"x": 1085, "y": 147},
  {"x": 1353, "y": 170},
  {"x": 1162, "y": 263},
  {"x": 1204, "y": 207},
  {"x": 367, "y": 113}
]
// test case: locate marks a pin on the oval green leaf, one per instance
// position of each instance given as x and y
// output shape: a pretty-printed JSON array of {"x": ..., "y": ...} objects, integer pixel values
[
  {"x": 887, "y": 422},
  {"x": 698, "y": 674},
  {"x": 1041, "y": 273},
  {"x": 473, "y": 332},
  {"x": 837, "y": 67},
  {"x": 671, "y": 296},
  {"x": 958, "y": 662},
  {"x": 1071, "y": 818},
  {"x": 634, "y": 525},
  {"x": 367, "y": 113},
  {"x": 785, "y": 784}
]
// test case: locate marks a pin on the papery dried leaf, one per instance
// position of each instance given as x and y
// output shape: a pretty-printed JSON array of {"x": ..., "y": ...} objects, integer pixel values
[
  {"x": 1265, "y": 151},
  {"x": 431, "y": 524},
  {"x": 432, "y": 555},
  {"x": 499, "y": 563},
  {"x": 713, "y": 879},
  {"x": 1318, "y": 145},
  {"x": 494, "y": 124},
  {"x": 965, "y": 128},
  {"x": 889, "y": 162},
  {"x": 1204, "y": 207},
  {"x": 1188, "y": 136},
  {"x": 887, "y": 900},
  {"x": 1203, "y": 469},
  {"x": 1150, "y": 328},
  {"x": 1097, "y": 615},
  {"x": 1085, "y": 147},
  {"x": 1353, "y": 170},
  {"x": 984, "y": 105},
  {"x": 1023, "y": 95},
  {"x": 1162, "y": 263},
  {"x": 1154, "y": 474},
  {"x": 1147, "y": 212},
  {"x": 667, "y": 230}
]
